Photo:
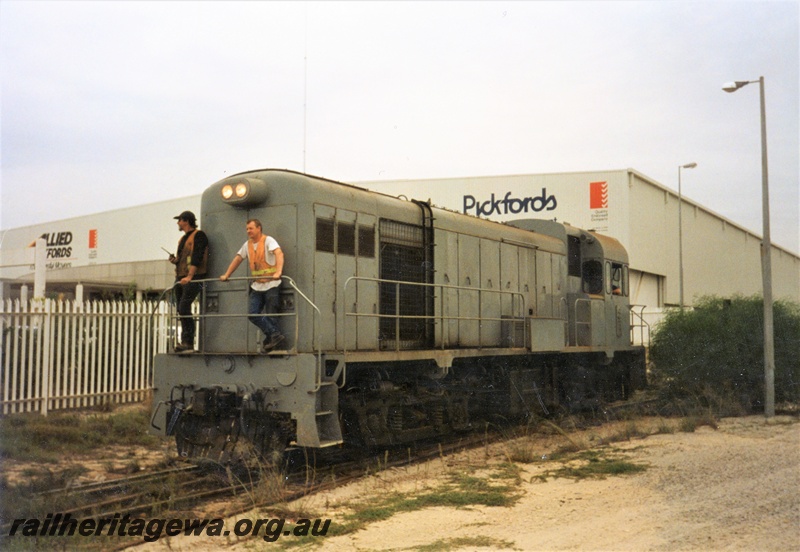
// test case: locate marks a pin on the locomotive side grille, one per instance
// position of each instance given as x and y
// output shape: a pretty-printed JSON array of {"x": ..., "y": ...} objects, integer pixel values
[
  {"x": 366, "y": 241},
  {"x": 340, "y": 237},
  {"x": 401, "y": 233},
  {"x": 403, "y": 259},
  {"x": 325, "y": 235},
  {"x": 346, "y": 238}
]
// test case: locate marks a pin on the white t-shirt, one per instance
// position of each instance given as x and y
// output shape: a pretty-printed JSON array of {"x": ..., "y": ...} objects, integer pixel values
[{"x": 271, "y": 246}]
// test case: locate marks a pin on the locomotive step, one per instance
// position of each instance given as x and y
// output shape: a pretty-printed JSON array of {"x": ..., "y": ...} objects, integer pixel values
[{"x": 322, "y": 444}]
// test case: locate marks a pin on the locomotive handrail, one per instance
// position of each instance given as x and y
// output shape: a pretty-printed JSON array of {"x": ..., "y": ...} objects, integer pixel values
[
  {"x": 292, "y": 283},
  {"x": 433, "y": 317},
  {"x": 644, "y": 324},
  {"x": 578, "y": 322},
  {"x": 317, "y": 348},
  {"x": 205, "y": 315}
]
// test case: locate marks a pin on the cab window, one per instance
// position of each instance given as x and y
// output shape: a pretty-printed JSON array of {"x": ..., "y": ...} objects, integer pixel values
[
  {"x": 617, "y": 279},
  {"x": 593, "y": 277}
]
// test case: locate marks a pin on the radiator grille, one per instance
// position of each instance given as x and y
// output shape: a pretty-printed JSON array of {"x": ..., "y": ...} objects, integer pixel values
[{"x": 403, "y": 259}]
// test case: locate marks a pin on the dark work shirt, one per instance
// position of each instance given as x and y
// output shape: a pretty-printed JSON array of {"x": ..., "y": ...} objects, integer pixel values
[{"x": 200, "y": 246}]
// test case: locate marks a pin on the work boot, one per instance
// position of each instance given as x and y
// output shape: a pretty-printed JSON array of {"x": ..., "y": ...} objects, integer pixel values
[
  {"x": 184, "y": 348},
  {"x": 271, "y": 342}
]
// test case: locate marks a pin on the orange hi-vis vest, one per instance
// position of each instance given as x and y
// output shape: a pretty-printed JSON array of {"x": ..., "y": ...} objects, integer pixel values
[{"x": 257, "y": 256}]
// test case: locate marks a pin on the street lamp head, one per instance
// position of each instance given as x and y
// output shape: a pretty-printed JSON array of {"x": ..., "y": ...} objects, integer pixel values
[
  {"x": 689, "y": 166},
  {"x": 734, "y": 86}
]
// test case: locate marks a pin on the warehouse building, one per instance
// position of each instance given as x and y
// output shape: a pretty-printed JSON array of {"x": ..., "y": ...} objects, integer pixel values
[
  {"x": 719, "y": 257},
  {"x": 110, "y": 254},
  {"x": 125, "y": 251}
]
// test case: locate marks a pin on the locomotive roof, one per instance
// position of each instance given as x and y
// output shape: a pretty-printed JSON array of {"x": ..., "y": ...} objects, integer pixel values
[{"x": 550, "y": 235}]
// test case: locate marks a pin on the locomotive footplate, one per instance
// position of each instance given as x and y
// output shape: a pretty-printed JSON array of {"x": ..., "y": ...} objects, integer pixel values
[{"x": 211, "y": 404}]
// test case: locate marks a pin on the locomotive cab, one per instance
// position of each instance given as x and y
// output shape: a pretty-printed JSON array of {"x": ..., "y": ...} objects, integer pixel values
[
  {"x": 597, "y": 286},
  {"x": 603, "y": 294}
]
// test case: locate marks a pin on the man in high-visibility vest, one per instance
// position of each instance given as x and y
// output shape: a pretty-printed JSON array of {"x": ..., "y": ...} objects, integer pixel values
[{"x": 265, "y": 259}]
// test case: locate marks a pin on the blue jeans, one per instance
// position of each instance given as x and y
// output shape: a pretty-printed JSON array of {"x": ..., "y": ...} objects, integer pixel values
[{"x": 268, "y": 302}]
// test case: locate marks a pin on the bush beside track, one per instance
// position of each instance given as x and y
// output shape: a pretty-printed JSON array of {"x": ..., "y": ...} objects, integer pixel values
[{"x": 714, "y": 354}]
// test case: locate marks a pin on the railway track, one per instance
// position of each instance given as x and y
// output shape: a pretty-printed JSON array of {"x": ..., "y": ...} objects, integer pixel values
[
  {"x": 243, "y": 486},
  {"x": 142, "y": 495}
]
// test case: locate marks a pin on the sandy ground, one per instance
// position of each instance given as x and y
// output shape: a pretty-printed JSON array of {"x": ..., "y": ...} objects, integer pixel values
[{"x": 736, "y": 487}]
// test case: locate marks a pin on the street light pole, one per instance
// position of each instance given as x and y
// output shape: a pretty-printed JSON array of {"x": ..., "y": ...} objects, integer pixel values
[
  {"x": 680, "y": 228},
  {"x": 766, "y": 256}
]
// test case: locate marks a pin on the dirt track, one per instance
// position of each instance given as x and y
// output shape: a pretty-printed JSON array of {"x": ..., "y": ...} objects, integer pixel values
[{"x": 731, "y": 488}]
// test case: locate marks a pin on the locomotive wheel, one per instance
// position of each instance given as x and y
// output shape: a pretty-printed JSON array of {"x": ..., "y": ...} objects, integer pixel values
[{"x": 269, "y": 436}]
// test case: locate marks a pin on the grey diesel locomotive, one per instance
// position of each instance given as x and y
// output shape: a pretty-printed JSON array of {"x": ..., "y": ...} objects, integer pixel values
[{"x": 403, "y": 321}]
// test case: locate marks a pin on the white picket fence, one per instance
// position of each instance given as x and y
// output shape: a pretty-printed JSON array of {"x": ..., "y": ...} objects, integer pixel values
[{"x": 57, "y": 355}]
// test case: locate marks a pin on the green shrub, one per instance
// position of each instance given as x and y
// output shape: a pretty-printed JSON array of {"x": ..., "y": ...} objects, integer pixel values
[{"x": 717, "y": 349}]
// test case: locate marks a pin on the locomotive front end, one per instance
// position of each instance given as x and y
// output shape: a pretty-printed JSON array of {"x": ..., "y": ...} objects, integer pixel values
[{"x": 229, "y": 389}]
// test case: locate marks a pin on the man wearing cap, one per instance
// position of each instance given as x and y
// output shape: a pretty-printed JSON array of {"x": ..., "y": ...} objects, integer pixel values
[{"x": 190, "y": 262}]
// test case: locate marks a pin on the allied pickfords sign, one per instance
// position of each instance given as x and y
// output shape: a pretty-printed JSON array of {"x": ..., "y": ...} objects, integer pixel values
[
  {"x": 97, "y": 239},
  {"x": 62, "y": 249},
  {"x": 59, "y": 245}
]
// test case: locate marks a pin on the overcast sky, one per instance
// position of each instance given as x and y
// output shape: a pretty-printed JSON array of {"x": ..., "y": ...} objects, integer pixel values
[{"x": 113, "y": 104}]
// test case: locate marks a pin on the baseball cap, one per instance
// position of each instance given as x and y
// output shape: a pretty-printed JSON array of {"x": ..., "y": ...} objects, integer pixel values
[{"x": 188, "y": 216}]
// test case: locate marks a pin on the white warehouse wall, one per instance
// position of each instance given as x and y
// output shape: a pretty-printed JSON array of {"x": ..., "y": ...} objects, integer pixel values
[{"x": 720, "y": 257}]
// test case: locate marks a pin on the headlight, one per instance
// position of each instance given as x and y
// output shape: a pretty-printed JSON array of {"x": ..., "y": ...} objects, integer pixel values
[{"x": 243, "y": 191}]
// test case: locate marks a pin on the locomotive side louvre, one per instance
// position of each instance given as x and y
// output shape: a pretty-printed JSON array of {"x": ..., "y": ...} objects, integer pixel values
[
  {"x": 518, "y": 273},
  {"x": 402, "y": 321},
  {"x": 341, "y": 243}
]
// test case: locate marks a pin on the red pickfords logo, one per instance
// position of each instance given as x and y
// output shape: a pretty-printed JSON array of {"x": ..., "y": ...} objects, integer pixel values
[{"x": 598, "y": 195}]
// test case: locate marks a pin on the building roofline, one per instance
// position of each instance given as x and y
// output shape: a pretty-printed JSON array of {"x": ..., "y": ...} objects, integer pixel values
[
  {"x": 108, "y": 212},
  {"x": 630, "y": 171},
  {"x": 674, "y": 193}
]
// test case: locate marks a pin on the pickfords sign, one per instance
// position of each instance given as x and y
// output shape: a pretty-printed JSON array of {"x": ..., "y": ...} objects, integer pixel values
[{"x": 509, "y": 205}]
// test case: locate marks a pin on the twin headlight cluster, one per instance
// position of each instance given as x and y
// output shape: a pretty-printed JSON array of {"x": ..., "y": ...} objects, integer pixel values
[
  {"x": 239, "y": 190},
  {"x": 245, "y": 192}
]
